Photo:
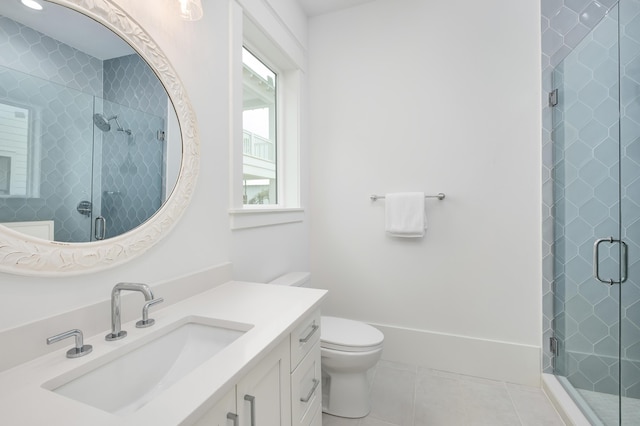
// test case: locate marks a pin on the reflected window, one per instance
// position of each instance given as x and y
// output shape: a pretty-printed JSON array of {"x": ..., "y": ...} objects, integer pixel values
[
  {"x": 259, "y": 131},
  {"x": 15, "y": 148}
]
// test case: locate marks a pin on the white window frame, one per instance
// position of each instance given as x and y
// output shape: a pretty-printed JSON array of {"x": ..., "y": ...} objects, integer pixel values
[
  {"x": 246, "y": 31},
  {"x": 33, "y": 154}
]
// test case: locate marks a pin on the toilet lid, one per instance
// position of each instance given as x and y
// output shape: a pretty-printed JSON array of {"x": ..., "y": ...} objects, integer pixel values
[{"x": 348, "y": 335}]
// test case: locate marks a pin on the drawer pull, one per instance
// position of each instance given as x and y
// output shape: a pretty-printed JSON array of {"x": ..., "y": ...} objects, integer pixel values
[
  {"x": 314, "y": 328},
  {"x": 233, "y": 417},
  {"x": 252, "y": 403},
  {"x": 316, "y": 382}
]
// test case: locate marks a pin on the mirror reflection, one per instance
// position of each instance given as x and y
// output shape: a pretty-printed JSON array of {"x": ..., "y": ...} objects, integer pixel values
[{"x": 90, "y": 147}]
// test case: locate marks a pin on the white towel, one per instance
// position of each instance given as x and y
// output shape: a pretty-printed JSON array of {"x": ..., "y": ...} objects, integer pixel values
[{"x": 405, "y": 215}]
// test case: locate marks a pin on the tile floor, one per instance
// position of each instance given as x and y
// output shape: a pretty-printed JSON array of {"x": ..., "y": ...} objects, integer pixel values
[{"x": 404, "y": 395}]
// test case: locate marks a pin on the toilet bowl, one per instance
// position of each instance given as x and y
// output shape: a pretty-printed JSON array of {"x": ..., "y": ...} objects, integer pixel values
[{"x": 349, "y": 349}]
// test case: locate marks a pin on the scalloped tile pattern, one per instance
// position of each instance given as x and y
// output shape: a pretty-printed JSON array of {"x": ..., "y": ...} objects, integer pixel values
[
  {"x": 31, "y": 52},
  {"x": 132, "y": 172},
  {"x": 65, "y": 153}
]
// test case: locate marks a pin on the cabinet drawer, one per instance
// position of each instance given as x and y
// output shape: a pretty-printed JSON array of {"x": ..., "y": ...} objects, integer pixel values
[
  {"x": 304, "y": 337},
  {"x": 317, "y": 419},
  {"x": 306, "y": 388}
]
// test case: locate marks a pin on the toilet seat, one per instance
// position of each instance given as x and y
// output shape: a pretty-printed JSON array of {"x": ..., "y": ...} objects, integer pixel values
[{"x": 341, "y": 334}]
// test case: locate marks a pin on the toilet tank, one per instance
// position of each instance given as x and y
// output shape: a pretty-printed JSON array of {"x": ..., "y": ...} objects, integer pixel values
[{"x": 295, "y": 279}]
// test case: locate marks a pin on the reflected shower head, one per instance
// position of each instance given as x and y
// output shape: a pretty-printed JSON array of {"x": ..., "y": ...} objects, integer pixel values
[{"x": 102, "y": 122}]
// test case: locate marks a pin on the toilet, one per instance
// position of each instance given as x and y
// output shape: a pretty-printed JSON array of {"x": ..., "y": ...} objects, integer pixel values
[{"x": 349, "y": 350}]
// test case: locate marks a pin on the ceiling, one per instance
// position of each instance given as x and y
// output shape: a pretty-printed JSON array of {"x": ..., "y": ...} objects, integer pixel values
[
  {"x": 320, "y": 7},
  {"x": 104, "y": 44}
]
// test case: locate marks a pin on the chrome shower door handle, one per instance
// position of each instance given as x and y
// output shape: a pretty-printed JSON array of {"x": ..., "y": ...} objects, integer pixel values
[
  {"x": 103, "y": 228},
  {"x": 624, "y": 259},
  {"x": 596, "y": 259}
]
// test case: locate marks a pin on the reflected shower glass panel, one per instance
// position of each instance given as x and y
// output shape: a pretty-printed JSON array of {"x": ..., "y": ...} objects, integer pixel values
[{"x": 53, "y": 162}]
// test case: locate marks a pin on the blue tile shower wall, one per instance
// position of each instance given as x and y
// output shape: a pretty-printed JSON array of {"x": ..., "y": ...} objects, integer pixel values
[
  {"x": 33, "y": 53},
  {"x": 61, "y": 82},
  {"x": 133, "y": 170},
  {"x": 140, "y": 90},
  {"x": 58, "y": 82}
]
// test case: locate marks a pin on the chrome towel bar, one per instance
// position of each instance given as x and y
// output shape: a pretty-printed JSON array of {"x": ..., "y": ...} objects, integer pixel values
[{"x": 440, "y": 196}]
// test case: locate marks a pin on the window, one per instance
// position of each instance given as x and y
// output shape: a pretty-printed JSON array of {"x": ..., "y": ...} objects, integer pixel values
[
  {"x": 17, "y": 153},
  {"x": 265, "y": 83},
  {"x": 259, "y": 131}
]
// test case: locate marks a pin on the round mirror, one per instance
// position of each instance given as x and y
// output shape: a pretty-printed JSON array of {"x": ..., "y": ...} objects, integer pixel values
[{"x": 96, "y": 164}]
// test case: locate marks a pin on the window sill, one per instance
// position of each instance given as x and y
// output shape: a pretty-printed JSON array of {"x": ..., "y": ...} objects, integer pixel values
[{"x": 258, "y": 217}]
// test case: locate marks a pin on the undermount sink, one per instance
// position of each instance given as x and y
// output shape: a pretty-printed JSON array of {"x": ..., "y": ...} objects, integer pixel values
[{"x": 126, "y": 383}]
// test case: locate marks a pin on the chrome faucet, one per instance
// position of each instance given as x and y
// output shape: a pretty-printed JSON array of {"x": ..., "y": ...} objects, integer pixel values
[
  {"x": 79, "y": 350},
  {"x": 116, "y": 332},
  {"x": 146, "y": 321}
]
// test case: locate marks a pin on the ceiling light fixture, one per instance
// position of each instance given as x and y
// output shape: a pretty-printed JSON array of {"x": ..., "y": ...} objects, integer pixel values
[
  {"x": 190, "y": 10},
  {"x": 32, "y": 4}
]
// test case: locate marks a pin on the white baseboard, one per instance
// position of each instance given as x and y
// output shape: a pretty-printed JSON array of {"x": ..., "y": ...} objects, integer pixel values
[{"x": 504, "y": 361}]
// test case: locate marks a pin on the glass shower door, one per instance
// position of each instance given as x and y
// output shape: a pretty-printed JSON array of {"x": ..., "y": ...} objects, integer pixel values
[
  {"x": 630, "y": 208},
  {"x": 588, "y": 223}
]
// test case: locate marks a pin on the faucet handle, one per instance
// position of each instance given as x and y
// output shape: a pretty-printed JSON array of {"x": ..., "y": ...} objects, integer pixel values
[
  {"x": 146, "y": 321},
  {"x": 80, "y": 348}
]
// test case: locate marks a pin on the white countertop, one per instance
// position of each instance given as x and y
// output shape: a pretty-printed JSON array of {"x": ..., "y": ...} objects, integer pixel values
[{"x": 274, "y": 311}]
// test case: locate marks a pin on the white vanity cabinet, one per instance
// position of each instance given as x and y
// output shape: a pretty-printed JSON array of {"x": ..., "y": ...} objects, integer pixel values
[
  {"x": 306, "y": 378},
  {"x": 283, "y": 390},
  {"x": 223, "y": 414},
  {"x": 261, "y": 398},
  {"x": 306, "y": 391}
]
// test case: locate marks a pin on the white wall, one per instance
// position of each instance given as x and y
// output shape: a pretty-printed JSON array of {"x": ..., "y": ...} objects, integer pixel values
[
  {"x": 419, "y": 95},
  {"x": 199, "y": 51},
  {"x": 409, "y": 95}
]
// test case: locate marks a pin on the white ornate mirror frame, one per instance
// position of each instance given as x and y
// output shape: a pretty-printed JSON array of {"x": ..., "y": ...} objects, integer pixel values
[{"x": 25, "y": 255}]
